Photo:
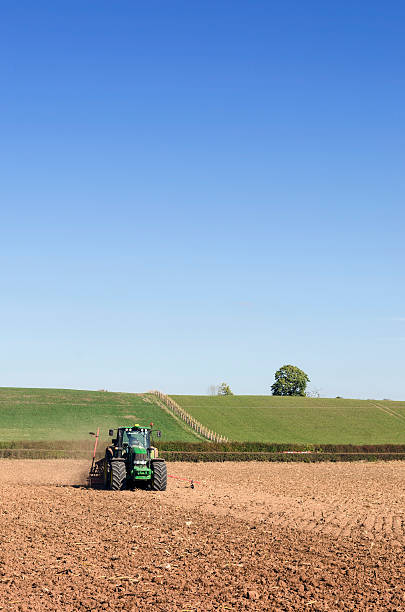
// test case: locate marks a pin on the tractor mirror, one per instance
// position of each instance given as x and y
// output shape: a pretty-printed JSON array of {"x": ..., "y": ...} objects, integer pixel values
[
  {"x": 158, "y": 433},
  {"x": 111, "y": 432}
]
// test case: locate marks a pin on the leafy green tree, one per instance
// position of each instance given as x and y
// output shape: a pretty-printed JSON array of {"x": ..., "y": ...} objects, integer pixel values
[
  {"x": 224, "y": 389},
  {"x": 290, "y": 380}
]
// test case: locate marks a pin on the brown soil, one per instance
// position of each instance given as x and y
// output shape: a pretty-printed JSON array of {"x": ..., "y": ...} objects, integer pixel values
[{"x": 253, "y": 536}]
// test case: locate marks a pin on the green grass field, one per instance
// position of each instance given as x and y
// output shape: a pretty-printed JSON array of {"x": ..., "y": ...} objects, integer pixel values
[
  {"x": 299, "y": 419},
  {"x": 61, "y": 414}
]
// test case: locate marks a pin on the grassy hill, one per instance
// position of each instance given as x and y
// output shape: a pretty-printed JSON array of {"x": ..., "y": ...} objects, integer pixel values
[
  {"x": 299, "y": 419},
  {"x": 62, "y": 414}
]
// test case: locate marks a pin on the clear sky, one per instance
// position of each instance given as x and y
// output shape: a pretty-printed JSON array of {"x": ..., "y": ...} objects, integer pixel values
[{"x": 197, "y": 192}]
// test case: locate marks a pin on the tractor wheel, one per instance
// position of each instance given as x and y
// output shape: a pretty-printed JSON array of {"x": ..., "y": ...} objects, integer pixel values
[
  {"x": 118, "y": 476},
  {"x": 159, "y": 479}
]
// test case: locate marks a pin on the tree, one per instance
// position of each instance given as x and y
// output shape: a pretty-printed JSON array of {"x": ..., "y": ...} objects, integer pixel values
[
  {"x": 224, "y": 389},
  {"x": 290, "y": 380}
]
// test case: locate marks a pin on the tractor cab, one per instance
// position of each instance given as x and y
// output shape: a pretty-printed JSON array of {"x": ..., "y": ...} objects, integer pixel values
[{"x": 137, "y": 438}]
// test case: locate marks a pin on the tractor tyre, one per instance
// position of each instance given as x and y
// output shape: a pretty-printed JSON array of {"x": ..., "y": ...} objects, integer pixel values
[
  {"x": 159, "y": 478},
  {"x": 118, "y": 476}
]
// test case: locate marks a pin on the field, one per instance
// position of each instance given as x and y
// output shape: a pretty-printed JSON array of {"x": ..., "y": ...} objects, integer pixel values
[
  {"x": 56, "y": 422},
  {"x": 299, "y": 419},
  {"x": 62, "y": 414},
  {"x": 247, "y": 537}
]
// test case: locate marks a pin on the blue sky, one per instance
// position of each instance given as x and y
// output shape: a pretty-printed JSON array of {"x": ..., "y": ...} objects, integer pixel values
[{"x": 194, "y": 192}]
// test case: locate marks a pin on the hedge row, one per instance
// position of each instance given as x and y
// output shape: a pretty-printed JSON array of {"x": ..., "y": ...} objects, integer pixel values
[
  {"x": 57, "y": 445},
  {"x": 197, "y": 457},
  {"x": 42, "y": 453},
  {"x": 218, "y": 456},
  {"x": 210, "y": 451},
  {"x": 263, "y": 447},
  {"x": 70, "y": 446}
]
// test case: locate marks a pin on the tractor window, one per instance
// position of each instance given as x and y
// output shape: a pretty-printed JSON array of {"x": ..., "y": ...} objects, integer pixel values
[{"x": 137, "y": 438}]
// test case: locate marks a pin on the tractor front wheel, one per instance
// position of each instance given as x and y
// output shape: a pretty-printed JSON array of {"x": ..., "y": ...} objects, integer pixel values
[
  {"x": 118, "y": 476},
  {"x": 159, "y": 479}
]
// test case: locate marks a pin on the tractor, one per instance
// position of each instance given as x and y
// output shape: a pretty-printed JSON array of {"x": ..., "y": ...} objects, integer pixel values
[{"x": 130, "y": 462}]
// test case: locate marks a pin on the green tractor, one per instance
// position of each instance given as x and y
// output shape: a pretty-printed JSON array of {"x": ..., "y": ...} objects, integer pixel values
[{"x": 132, "y": 462}]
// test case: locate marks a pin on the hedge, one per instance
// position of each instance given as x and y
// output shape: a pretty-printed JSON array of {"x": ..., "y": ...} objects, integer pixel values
[
  {"x": 273, "y": 447},
  {"x": 211, "y": 451},
  {"x": 196, "y": 457}
]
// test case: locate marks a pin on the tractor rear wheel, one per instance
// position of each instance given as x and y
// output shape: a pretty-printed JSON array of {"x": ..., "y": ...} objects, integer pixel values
[
  {"x": 159, "y": 479},
  {"x": 118, "y": 476}
]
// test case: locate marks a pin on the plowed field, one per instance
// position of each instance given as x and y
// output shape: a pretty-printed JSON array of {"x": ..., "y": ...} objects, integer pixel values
[{"x": 247, "y": 537}]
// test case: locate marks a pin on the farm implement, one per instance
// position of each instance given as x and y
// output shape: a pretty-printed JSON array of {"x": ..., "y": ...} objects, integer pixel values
[{"x": 129, "y": 462}]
